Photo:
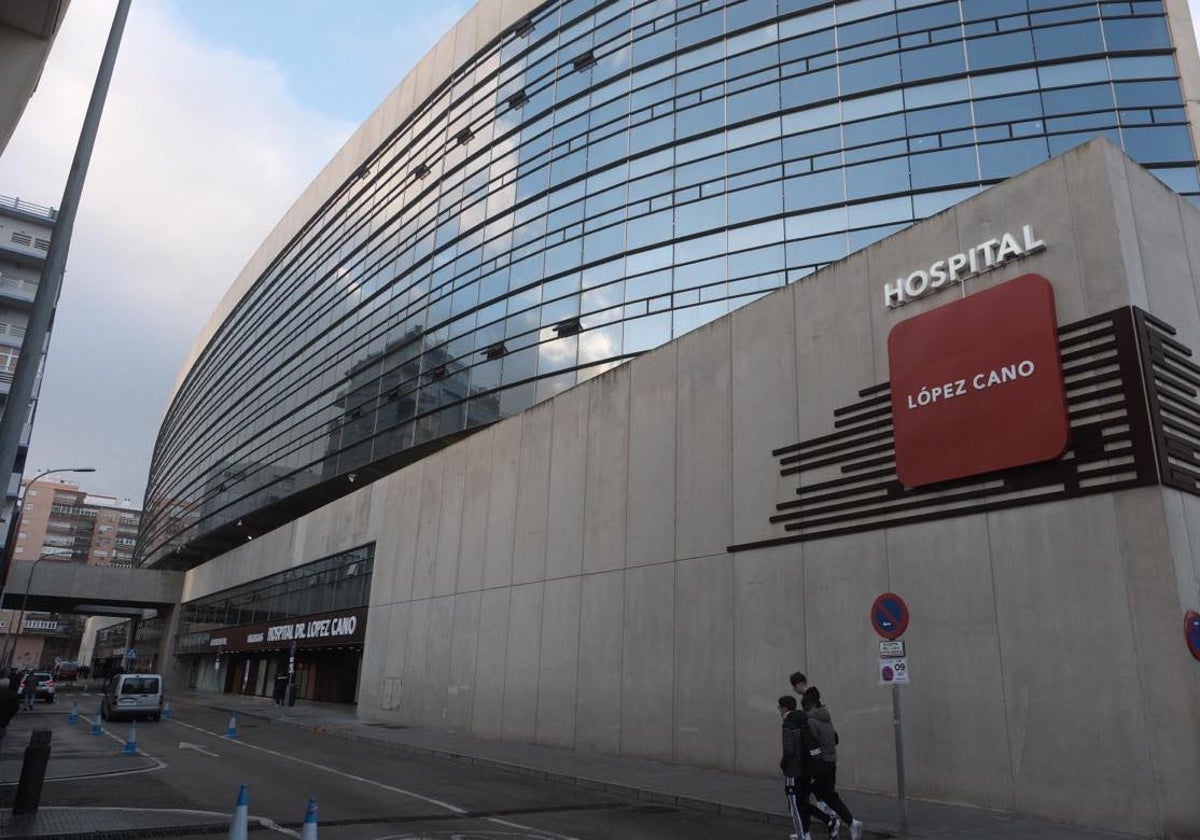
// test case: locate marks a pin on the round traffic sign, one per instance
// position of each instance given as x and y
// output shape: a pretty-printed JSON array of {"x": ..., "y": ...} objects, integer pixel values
[
  {"x": 1191, "y": 632},
  {"x": 889, "y": 615}
]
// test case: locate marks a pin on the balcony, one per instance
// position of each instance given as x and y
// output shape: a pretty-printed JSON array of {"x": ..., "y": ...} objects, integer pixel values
[
  {"x": 28, "y": 208},
  {"x": 13, "y": 290}
]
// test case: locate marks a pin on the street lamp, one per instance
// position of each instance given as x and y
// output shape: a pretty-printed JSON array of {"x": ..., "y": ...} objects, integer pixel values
[{"x": 18, "y": 512}]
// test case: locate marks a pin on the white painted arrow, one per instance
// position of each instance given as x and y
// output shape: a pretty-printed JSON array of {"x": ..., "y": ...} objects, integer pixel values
[{"x": 184, "y": 745}]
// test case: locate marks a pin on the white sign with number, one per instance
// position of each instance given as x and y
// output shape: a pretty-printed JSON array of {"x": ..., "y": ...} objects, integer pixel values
[{"x": 893, "y": 672}]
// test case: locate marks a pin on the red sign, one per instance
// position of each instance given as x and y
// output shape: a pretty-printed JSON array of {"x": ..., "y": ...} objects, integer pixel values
[
  {"x": 977, "y": 384},
  {"x": 889, "y": 615}
]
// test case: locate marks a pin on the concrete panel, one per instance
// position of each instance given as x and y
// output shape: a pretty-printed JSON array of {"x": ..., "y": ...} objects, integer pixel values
[
  {"x": 464, "y": 644},
  {"x": 1062, "y": 559},
  {"x": 394, "y": 657},
  {"x": 568, "y": 476},
  {"x": 374, "y": 660},
  {"x": 428, "y": 525},
  {"x": 1164, "y": 253},
  {"x": 1187, "y": 565},
  {"x": 487, "y": 718},
  {"x": 944, "y": 572},
  {"x": 704, "y": 672},
  {"x": 454, "y": 471},
  {"x": 704, "y": 443},
  {"x": 396, "y": 545},
  {"x": 476, "y": 494},
  {"x": 1104, "y": 230},
  {"x": 435, "y": 708},
  {"x": 601, "y": 633},
  {"x": 533, "y": 489},
  {"x": 650, "y": 506},
  {"x": 415, "y": 691},
  {"x": 763, "y": 397},
  {"x": 1169, "y": 693},
  {"x": 647, "y": 662},
  {"x": 607, "y": 471},
  {"x": 522, "y": 663},
  {"x": 1039, "y": 198},
  {"x": 842, "y": 576},
  {"x": 769, "y": 618},
  {"x": 558, "y": 663},
  {"x": 833, "y": 326},
  {"x": 502, "y": 503}
]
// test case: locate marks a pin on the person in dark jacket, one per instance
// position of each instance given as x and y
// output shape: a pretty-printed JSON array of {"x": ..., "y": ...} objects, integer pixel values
[
  {"x": 10, "y": 704},
  {"x": 801, "y": 751},
  {"x": 28, "y": 690},
  {"x": 824, "y": 785}
]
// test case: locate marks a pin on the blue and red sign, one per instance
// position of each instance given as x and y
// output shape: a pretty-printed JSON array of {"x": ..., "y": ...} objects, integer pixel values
[
  {"x": 889, "y": 615},
  {"x": 1191, "y": 631}
]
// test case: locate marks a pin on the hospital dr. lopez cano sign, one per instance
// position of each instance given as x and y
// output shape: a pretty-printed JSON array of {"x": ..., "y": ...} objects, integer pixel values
[{"x": 977, "y": 385}]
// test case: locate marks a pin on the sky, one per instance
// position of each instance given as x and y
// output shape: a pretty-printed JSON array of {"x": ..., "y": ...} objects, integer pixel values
[{"x": 220, "y": 113}]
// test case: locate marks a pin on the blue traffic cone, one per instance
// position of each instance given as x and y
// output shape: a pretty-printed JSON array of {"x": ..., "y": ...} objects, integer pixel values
[
  {"x": 74, "y": 716},
  {"x": 309, "y": 832},
  {"x": 231, "y": 731},
  {"x": 130, "y": 747},
  {"x": 237, "y": 827},
  {"x": 96, "y": 730}
]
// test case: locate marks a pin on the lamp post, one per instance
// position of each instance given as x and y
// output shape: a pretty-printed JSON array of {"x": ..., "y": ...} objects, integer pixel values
[{"x": 18, "y": 512}]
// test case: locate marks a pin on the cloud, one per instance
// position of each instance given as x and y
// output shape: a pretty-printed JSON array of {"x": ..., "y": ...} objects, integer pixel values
[{"x": 200, "y": 152}]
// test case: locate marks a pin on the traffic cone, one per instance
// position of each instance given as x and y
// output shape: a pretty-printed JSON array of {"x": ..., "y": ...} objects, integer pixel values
[
  {"x": 237, "y": 828},
  {"x": 166, "y": 712},
  {"x": 309, "y": 832},
  {"x": 231, "y": 731},
  {"x": 74, "y": 716},
  {"x": 96, "y": 730},
  {"x": 130, "y": 747}
]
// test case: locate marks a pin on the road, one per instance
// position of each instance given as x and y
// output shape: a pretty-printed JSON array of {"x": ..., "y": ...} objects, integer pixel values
[{"x": 365, "y": 791}]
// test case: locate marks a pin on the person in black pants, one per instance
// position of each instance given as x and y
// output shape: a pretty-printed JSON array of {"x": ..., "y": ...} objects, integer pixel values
[
  {"x": 824, "y": 786},
  {"x": 801, "y": 752}
]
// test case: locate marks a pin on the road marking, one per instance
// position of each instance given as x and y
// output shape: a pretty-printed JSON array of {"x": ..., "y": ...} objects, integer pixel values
[
  {"x": 454, "y": 809},
  {"x": 184, "y": 745}
]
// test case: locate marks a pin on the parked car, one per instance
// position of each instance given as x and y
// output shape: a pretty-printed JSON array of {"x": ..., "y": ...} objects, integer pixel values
[
  {"x": 133, "y": 696},
  {"x": 45, "y": 686}
]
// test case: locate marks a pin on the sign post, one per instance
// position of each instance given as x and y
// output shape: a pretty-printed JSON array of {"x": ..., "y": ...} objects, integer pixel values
[
  {"x": 889, "y": 617},
  {"x": 287, "y": 692}
]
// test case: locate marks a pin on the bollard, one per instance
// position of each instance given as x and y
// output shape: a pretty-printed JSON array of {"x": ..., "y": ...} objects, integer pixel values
[
  {"x": 74, "y": 716},
  {"x": 166, "y": 711},
  {"x": 237, "y": 827},
  {"x": 231, "y": 731},
  {"x": 33, "y": 773},
  {"x": 309, "y": 832},
  {"x": 96, "y": 730},
  {"x": 130, "y": 747}
]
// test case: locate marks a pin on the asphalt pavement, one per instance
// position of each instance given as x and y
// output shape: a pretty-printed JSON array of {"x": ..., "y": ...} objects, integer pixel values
[{"x": 544, "y": 792}]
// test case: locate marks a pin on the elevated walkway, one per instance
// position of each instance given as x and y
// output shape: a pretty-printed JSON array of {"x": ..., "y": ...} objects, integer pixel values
[{"x": 90, "y": 590}]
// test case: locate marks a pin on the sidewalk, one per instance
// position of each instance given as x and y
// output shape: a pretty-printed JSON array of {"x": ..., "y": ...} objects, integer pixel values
[{"x": 708, "y": 790}]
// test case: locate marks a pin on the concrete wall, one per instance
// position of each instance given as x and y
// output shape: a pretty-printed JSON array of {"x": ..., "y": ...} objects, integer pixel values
[{"x": 562, "y": 577}]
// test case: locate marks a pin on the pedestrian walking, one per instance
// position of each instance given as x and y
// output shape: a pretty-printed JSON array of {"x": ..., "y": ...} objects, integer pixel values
[
  {"x": 10, "y": 704},
  {"x": 800, "y": 751},
  {"x": 28, "y": 691},
  {"x": 281, "y": 683},
  {"x": 825, "y": 770}
]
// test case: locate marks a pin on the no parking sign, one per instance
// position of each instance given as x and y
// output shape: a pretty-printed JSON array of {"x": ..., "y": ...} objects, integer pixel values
[{"x": 1191, "y": 632}]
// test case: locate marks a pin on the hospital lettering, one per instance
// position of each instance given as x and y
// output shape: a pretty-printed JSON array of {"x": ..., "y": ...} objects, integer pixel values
[
  {"x": 982, "y": 381},
  {"x": 986, "y": 256}
]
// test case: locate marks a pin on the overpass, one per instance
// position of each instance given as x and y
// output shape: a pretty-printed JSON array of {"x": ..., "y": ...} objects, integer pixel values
[{"x": 90, "y": 590}]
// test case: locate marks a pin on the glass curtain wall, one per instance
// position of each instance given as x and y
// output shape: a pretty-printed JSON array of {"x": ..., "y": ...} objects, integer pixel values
[{"x": 609, "y": 175}]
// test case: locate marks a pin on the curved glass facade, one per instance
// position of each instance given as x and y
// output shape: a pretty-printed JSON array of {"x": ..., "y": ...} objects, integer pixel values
[{"x": 606, "y": 176}]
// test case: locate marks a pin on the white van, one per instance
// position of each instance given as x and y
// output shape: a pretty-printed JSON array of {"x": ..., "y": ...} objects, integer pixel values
[{"x": 133, "y": 696}]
